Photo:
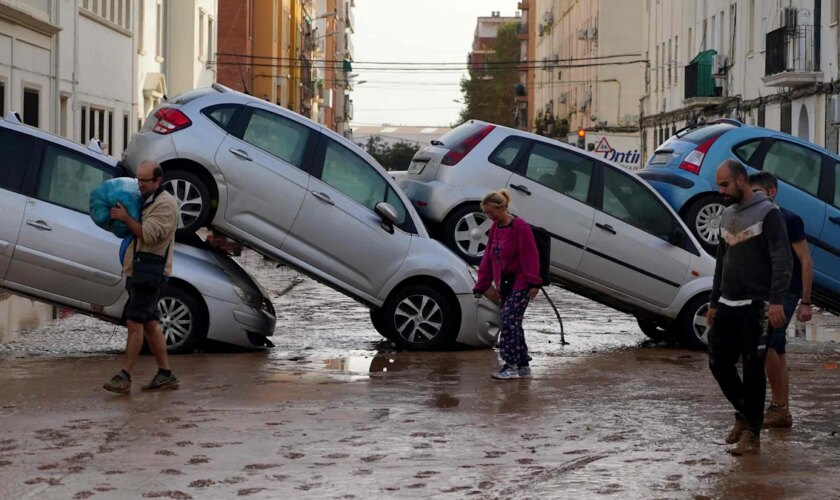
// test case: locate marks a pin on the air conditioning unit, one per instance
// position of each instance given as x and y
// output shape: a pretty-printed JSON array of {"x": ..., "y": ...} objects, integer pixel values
[
  {"x": 548, "y": 17},
  {"x": 789, "y": 18},
  {"x": 581, "y": 34}
]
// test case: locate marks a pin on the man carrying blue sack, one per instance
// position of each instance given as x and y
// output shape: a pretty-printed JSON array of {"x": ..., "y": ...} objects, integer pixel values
[
  {"x": 754, "y": 266},
  {"x": 147, "y": 266}
]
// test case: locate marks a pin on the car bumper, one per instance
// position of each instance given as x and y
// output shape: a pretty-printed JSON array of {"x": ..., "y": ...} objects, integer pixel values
[
  {"x": 433, "y": 199},
  {"x": 480, "y": 322},
  {"x": 238, "y": 324}
]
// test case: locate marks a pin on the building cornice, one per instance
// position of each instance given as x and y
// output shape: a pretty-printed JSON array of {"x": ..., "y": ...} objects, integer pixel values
[{"x": 26, "y": 19}]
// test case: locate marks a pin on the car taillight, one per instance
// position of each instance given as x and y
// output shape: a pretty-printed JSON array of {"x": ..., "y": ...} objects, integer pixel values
[
  {"x": 460, "y": 150},
  {"x": 170, "y": 120},
  {"x": 694, "y": 160}
]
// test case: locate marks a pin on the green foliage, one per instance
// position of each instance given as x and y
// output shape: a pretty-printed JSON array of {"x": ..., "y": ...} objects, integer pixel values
[
  {"x": 391, "y": 156},
  {"x": 490, "y": 95},
  {"x": 547, "y": 125}
]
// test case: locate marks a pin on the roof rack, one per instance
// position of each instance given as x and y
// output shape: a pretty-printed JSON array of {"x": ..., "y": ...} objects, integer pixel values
[
  {"x": 95, "y": 145},
  {"x": 13, "y": 116}
]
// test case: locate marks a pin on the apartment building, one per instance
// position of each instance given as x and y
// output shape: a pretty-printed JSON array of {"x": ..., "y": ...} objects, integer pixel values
[
  {"x": 526, "y": 34},
  {"x": 765, "y": 62},
  {"x": 590, "y": 63}
]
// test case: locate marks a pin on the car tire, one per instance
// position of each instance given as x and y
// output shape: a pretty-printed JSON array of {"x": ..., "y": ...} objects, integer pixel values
[
  {"x": 439, "y": 319},
  {"x": 703, "y": 219},
  {"x": 462, "y": 233},
  {"x": 193, "y": 198},
  {"x": 183, "y": 320},
  {"x": 654, "y": 330},
  {"x": 693, "y": 329},
  {"x": 377, "y": 317}
]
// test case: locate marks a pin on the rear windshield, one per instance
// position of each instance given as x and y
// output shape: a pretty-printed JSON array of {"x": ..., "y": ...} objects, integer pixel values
[
  {"x": 460, "y": 133},
  {"x": 703, "y": 134}
]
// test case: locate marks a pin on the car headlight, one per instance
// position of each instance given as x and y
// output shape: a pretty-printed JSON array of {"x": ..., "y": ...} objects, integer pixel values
[{"x": 250, "y": 297}]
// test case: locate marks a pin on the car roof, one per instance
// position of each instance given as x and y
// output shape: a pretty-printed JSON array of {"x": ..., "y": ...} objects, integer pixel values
[{"x": 12, "y": 123}]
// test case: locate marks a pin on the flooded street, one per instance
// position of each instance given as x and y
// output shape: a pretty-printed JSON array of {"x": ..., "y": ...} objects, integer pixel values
[{"x": 333, "y": 412}]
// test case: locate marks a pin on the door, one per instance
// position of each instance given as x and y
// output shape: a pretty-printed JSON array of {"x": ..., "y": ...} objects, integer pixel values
[
  {"x": 265, "y": 176},
  {"x": 551, "y": 191},
  {"x": 337, "y": 231},
  {"x": 826, "y": 253},
  {"x": 60, "y": 250},
  {"x": 14, "y": 149},
  {"x": 630, "y": 249}
]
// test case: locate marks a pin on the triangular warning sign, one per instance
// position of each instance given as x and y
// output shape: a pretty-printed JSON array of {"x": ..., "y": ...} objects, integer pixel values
[{"x": 603, "y": 146}]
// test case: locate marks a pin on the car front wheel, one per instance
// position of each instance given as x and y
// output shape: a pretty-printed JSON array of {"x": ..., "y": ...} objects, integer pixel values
[
  {"x": 465, "y": 233},
  {"x": 183, "y": 320},
  {"x": 703, "y": 218},
  {"x": 193, "y": 198},
  {"x": 655, "y": 330},
  {"x": 692, "y": 324},
  {"x": 419, "y": 318}
]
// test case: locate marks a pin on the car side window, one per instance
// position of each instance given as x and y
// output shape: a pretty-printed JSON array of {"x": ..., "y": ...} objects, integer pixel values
[
  {"x": 221, "y": 115},
  {"x": 794, "y": 164},
  {"x": 627, "y": 199},
  {"x": 14, "y": 150},
  {"x": 505, "y": 154},
  {"x": 563, "y": 171},
  {"x": 278, "y": 136},
  {"x": 67, "y": 178},
  {"x": 745, "y": 151},
  {"x": 349, "y": 173}
]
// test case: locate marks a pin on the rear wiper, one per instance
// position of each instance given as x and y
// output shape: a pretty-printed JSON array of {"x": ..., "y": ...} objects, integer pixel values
[{"x": 436, "y": 142}]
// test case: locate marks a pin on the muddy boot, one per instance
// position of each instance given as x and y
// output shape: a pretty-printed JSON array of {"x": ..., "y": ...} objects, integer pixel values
[
  {"x": 162, "y": 382},
  {"x": 735, "y": 433},
  {"x": 119, "y": 383},
  {"x": 777, "y": 416},
  {"x": 750, "y": 443}
]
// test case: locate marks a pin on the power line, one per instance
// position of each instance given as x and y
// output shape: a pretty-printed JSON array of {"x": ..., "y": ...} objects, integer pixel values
[{"x": 402, "y": 63}]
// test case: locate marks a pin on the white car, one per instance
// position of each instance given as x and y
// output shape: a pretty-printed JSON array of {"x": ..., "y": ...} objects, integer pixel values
[{"x": 614, "y": 239}]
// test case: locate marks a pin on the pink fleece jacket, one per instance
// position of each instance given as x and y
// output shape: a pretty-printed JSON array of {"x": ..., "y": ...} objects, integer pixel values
[{"x": 510, "y": 248}]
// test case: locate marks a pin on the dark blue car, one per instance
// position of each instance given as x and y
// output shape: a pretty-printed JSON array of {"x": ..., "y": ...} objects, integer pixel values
[{"x": 683, "y": 171}]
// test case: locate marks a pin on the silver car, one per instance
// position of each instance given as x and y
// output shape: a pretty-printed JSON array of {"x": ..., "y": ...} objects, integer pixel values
[
  {"x": 302, "y": 194},
  {"x": 51, "y": 250},
  {"x": 614, "y": 239}
]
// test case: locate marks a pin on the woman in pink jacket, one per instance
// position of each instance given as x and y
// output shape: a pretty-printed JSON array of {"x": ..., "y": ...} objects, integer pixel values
[{"x": 511, "y": 263}]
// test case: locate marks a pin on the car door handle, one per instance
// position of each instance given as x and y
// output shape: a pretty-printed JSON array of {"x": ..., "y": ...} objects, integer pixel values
[
  {"x": 606, "y": 227},
  {"x": 240, "y": 153},
  {"x": 522, "y": 189},
  {"x": 835, "y": 220},
  {"x": 324, "y": 197},
  {"x": 39, "y": 224}
]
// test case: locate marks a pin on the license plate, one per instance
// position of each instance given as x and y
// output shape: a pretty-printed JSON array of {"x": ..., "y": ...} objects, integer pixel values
[{"x": 416, "y": 167}]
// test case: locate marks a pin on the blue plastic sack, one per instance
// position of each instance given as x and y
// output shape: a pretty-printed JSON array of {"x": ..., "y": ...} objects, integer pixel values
[{"x": 105, "y": 196}]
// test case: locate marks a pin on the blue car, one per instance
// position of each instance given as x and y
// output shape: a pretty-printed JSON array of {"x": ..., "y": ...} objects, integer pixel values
[{"x": 683, "y": 171}]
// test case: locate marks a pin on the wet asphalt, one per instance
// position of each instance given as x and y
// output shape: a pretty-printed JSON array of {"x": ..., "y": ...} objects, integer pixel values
[{"x": 334, "y": 412}]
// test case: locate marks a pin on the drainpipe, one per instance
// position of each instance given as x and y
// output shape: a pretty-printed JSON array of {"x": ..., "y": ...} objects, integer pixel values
[
  {"x": 76, "y": 106},
  {"x": 56, "y": 20}
]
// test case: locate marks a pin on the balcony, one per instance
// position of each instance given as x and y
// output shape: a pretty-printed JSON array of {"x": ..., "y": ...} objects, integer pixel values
[
  {"x": 700, "y": 89},
  {"x": 522, "y": 31},
  {"x": 524, "y": 5},
  {"x": 792, "y": 57}
]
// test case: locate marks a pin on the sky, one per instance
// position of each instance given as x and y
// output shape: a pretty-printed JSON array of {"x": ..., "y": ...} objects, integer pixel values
[{"x": 428, "y": 31}]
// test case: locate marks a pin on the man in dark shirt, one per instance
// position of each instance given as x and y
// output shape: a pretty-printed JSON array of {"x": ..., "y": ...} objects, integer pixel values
[
  {"x": 754, "y": 266},
  {"x": 797, "y": 302}
]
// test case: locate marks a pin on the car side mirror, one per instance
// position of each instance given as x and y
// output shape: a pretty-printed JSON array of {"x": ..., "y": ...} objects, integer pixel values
[{"x": 388, "y": 214}]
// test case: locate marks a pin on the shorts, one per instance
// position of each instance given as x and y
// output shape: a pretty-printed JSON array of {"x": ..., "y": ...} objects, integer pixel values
[
  {"x": 143, "y": 301},
  {"x": 778, "y": 336}
]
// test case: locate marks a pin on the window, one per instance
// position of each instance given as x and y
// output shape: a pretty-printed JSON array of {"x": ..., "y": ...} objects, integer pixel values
[
  {"x": 689, "y": 47},
  {"x": 141, "y": 27},
  {"x": 670, "y": 64},
  {"x": 211, "y": 39},
  {"x": 676, "y": 60},
  {"x": 126, "y": 133},
  {"x": 14, "y": 149},
  {"x": 627, "y": 199},
  {"x": 762, "y": 34},
  {"x": 83, "y": 129},
  {"x": 745, "y": 151},
  {"x": 31, "y": 107},
  {"x": 67, "y": 178},
  {"x": 560, "y": 170},
  {"x": 506, "y": 153},
  {"x": 159, "y": 29},
  {"x": 713, "y": 35},
  {"x": 656, "y": 76},
  {"x": 836, "y": 201},
  {"x": 3, "y": 98},
  {"x": 798, "y": 166},
  {"x": 349, "y": 173},
  {"x": 112, "y": 11},
  {"x": 751, "y": 28},
  {"x": 201, "y": 36},
  {"x": 835, "y": 7},
  {"x": 221, "y": 115},
  {"x": 278, "y": 136}
]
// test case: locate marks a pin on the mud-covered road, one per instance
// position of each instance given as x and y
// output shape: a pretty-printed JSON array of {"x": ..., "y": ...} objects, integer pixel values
[{"x": 332, "y": 412}]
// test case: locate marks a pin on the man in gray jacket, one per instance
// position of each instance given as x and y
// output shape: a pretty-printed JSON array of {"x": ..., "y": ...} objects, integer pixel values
[{"x": 754, "y": 267}]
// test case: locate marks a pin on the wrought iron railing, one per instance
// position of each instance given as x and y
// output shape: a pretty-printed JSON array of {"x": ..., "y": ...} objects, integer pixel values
[{"x": 791, "y": 49}]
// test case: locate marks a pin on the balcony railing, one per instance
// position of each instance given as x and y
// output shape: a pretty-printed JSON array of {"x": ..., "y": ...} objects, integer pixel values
[
  {"x": 791, "y": 50},
  {"x": 522, "y": 31},
  {"x": 698, "y": 77}
]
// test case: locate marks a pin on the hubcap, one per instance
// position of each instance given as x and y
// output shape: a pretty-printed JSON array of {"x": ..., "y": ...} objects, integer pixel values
[
  {"x": 418, "y": 318},
  {"x": 176, "y": 321},
  {"x": 700, "y": 326},
  {"x": 189, "y": 200},
  {"x": 708, "y": 223},
  {"x": 471, "y": 234}
]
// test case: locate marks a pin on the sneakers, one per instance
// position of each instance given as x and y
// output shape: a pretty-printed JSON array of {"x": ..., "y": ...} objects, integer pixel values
[
  {"x": 525, "y": 372},
  {"x": 161, "y": 382},
  {"x": 507, "y": 372},
  {"x": 777, "y": 416},
  {"x": 119, "y": 384},
  {"x": 750, "y": 443},
  {"x": 735, "y": 433}
]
